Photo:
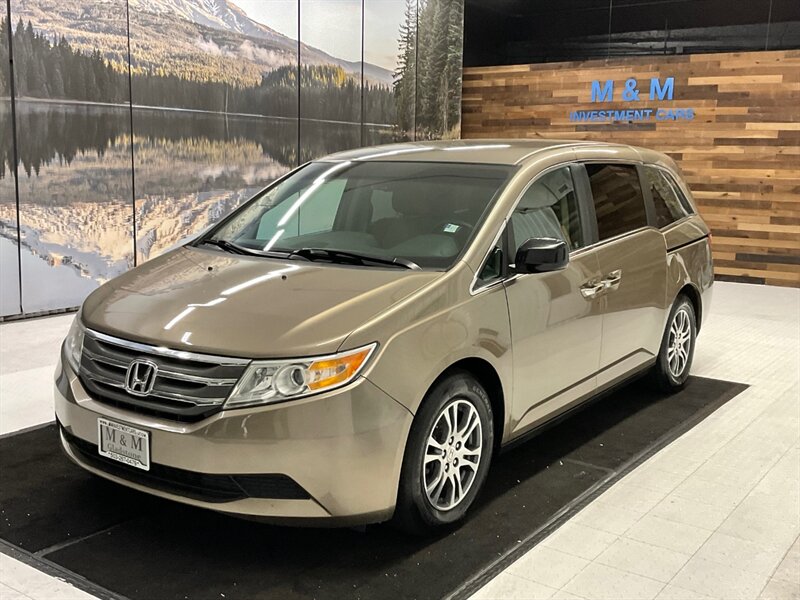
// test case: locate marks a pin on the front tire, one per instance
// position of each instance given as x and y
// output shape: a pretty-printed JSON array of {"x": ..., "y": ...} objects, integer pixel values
[
  {"x": 677, "y": 347},
  {"x": 447, "y": 456}
]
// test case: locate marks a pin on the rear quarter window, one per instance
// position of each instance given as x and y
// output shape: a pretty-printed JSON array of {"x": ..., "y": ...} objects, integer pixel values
[{"x": 669, "y": 203}]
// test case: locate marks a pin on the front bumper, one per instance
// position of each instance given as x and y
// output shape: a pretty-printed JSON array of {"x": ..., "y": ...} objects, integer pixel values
[{"x": 344, "y": 450}]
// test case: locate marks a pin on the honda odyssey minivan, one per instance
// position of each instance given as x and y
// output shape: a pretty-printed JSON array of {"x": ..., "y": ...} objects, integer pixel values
[{"x": 356, "y": 342}]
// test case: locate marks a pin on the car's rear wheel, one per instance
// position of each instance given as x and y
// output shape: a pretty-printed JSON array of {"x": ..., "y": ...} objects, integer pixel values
[
  {"x": 677, "y": 347},
  {"x": 447, "y": 456}
]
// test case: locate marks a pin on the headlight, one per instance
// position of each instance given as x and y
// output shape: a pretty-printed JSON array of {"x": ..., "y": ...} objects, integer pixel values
[
  {"x": 272, "y": 381},
  {"x": 73, "y": 344}
]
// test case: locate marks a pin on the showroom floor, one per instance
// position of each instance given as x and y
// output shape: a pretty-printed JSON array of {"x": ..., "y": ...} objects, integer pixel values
[{"x": 716, "y": 514}]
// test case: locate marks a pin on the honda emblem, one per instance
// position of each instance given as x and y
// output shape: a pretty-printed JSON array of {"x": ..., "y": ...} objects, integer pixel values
[{"x": 141, "y": 377}]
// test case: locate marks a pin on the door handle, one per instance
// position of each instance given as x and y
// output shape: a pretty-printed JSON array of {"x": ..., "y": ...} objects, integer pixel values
[
  {"x": 612, "y": 280},
  {"x": 591, "y": 289}
]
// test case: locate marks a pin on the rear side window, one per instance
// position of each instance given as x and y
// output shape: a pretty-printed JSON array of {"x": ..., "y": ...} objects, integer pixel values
[
  {"x": 618, "y": 199},
  {"x": 668, "y": 205}
]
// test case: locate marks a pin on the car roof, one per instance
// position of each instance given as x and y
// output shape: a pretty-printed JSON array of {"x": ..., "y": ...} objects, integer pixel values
[{"x": 485, "y": 151}]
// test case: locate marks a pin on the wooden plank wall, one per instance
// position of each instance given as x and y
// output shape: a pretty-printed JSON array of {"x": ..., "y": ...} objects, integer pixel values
[{"x": 740, "y": 154}]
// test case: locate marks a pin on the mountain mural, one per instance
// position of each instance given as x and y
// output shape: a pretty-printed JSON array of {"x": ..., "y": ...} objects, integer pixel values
[
  {"x": 202, "y": 40},
  {"x": 217, "y": 14},
  {"x": 222, "y": 105}
]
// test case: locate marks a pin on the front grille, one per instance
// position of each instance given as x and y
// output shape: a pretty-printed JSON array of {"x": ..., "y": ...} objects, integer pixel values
[
  {"x": 188, "y": 386},
  {"x": 190, "y": 484}
]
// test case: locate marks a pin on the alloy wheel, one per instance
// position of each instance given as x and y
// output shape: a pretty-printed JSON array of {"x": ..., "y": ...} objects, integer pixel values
[
  {"x": 452, "y": 455},
  {"x": 679, "y": 343}
]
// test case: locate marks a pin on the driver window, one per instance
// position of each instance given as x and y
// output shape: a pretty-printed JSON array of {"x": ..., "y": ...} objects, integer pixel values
[{"x": 549, "y": 209}]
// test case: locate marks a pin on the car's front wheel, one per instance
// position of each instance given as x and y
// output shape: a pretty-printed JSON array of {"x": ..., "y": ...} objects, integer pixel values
[{"x": 447, "y": 456}]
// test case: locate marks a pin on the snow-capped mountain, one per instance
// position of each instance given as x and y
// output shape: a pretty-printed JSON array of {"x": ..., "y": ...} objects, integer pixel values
[
  {"x": 218, "y": 14},
  {"x": 204, "y": 39},
  {"x": 225, "y": 16}
]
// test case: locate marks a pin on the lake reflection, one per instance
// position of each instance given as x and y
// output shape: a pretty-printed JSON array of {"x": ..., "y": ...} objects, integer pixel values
[
  {"x": 75, "y": 189},
  {"x": 193, "y": 168},
  {"x": 76, "y": 185},
  {"x": 9, "y": 276}
]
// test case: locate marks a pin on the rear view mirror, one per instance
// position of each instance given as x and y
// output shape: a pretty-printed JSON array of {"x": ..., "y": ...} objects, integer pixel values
[{"x": 541, "y": 255}]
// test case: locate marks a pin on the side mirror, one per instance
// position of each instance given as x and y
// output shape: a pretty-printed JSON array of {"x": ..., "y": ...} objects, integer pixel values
[{"x": 541, "y": 255}]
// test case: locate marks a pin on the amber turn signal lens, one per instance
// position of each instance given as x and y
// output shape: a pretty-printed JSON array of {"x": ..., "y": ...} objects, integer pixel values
[{"x": 333, "y": 371}]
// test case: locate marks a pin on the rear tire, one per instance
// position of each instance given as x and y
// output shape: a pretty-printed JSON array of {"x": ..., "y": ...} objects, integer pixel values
[
  {"x": 447, "y": 455},
  {"x": 677, "y": 347}
]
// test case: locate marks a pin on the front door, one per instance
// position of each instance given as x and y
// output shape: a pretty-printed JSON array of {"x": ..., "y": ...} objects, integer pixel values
[{"x": 556, "y": 318}]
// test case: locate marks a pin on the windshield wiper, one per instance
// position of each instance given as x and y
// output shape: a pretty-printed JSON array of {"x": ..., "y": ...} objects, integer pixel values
[
  {"x": 347, "y": 257},
  {"x": 228, "y": 246},
  {"x": 340, "y": 256},
  {"x": 237, "y": 249}
]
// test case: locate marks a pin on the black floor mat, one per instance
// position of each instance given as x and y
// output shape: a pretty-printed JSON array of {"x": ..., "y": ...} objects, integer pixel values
[{"x": 141, "y": 547}]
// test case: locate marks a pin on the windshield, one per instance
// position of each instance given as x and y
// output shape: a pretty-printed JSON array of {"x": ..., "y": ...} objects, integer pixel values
[{"x": 421, "y": 213}]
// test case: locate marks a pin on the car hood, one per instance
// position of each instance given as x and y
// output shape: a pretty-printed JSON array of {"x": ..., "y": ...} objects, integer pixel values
[{"x": 207, "y": 301}]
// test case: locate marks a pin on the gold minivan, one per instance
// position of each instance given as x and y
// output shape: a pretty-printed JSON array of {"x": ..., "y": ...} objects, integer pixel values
[{"x": 355, "y": 342}]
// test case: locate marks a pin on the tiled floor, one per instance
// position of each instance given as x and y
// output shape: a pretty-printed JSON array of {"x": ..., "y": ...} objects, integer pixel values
[
  {"x": 716, "y": 514},
  {"x": 19, "y": 581},
  {"x": 28, "y": 354}
]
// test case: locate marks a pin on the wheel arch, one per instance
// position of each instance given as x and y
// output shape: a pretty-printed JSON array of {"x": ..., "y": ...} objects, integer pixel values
[
  {"x": 691, "y": 292},
  {"x": 488, "y": 377}
]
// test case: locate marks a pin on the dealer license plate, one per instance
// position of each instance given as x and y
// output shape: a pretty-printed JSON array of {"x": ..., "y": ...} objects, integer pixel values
[{"x": 124, "y": 443}]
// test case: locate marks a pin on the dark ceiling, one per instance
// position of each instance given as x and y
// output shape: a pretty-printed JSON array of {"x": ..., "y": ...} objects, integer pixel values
[{"x": 528, "y": 31}]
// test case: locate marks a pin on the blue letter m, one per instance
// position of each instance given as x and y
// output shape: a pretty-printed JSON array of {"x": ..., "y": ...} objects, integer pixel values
[
  {"x": 657, "y": 90},
  {"x": 604, "y": 94}
]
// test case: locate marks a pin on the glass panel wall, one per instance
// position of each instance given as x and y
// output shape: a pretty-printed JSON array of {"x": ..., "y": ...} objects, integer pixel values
[
  {"x": 73, "y": 143},
  {"x": 390, "y": 43},
  {"x": 140, "y": 123},
  {"x": 214, "y": 114},
  {"x": 440, "y": 35},
  {"x": 330, "y": 76},
  {"x": 9, "y": 242}
]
